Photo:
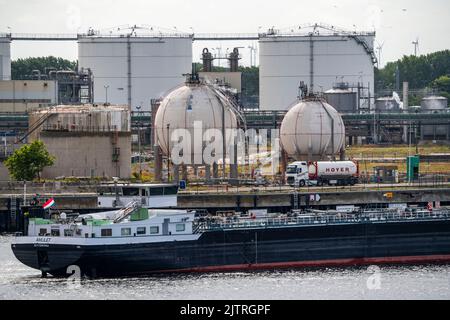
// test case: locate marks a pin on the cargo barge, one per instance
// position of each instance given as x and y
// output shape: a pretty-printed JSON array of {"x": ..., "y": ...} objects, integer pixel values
[{"x": 136, "y": 240}]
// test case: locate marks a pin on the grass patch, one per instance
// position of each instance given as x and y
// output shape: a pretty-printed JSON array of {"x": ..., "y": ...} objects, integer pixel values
[
  {"x": 424, "y": 167},
  {"x": 395, "y": 151}
]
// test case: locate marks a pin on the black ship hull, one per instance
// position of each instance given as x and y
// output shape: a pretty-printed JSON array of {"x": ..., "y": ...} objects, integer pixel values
[{"x": 262, "y": 248}]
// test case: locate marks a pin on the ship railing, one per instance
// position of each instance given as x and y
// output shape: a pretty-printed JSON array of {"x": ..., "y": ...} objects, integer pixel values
[
  {"x": 197, "y": 228},
  {"x": 340, "y": 218}
]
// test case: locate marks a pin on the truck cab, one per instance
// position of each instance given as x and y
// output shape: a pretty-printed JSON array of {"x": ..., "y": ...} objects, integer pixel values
[{"x": 297, "y": 173}]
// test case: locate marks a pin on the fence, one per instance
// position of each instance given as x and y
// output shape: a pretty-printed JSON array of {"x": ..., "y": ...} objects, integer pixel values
[
  {"x": 440, "y": 180},
  {"x": 90, "y": 185},
  {"x": 50, "y": 187}
]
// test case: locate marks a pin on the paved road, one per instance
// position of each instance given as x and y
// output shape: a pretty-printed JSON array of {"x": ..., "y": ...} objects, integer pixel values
[{"x": 357, "y": 187}]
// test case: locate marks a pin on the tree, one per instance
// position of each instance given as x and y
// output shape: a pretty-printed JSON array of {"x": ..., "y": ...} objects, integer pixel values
[
  {"x": 21, "y": 69},
  {"x": 418, "y": 71},
  {"x": 442, "y": 83},
  {"x": 27, "y": 162}
]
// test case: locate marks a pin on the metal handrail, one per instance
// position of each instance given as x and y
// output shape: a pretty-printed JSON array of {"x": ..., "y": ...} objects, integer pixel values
[
  {"x": 126, "y": 211},
  {"x": 336, "y": 218}
]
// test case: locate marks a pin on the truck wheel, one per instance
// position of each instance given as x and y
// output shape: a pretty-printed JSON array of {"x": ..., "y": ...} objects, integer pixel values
[
  {"x": 319, "y": 183},
  {"x": 302, "y": 183}
]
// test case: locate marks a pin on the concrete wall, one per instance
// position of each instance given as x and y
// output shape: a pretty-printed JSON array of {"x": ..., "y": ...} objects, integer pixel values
[
  {"x": 84, "y": 154},
  {"x": 281, "y": 199},
  {"x": 81, "y": 118},
  {"x": 26, "y": 95}
]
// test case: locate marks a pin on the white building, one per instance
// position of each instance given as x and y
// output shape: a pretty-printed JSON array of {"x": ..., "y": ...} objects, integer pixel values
[
  {"x": 319, "y": 58},
  {"x": 21, "y": 96},
  {"x": 133, "y": 69}
]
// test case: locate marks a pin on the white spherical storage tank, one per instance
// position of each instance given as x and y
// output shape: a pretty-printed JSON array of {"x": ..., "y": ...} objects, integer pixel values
[
  {"x": 312, "y": 130},
  {"x": 5, "y": 58},
  {"x": 195, "y": 108},
  {"x": 319, "y": 60},
  {"x": 135, "y": 69}
]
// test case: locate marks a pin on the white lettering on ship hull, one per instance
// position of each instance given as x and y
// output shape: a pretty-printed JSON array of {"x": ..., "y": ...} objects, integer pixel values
[
  {"x": 41, "y": 245},
  {"x": 79, "y": 241}
]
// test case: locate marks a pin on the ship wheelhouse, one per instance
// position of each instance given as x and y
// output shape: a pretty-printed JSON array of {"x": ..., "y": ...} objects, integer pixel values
[{"x": 149, "y": 195}]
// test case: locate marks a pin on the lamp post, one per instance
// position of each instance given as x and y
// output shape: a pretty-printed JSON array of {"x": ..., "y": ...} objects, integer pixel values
[
  {"x": 106, "y": 92},
  {"x": 139, "y": 142},
  {"x": 4, "y": 140},
  {"x": 24, "y": 193}
]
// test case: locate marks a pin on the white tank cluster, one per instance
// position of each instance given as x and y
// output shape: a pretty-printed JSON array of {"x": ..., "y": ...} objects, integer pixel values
[
  {"x": 5, "y": 58},
  {"x": 312, "y": 129},
  {"x": 192, "y": 102}
]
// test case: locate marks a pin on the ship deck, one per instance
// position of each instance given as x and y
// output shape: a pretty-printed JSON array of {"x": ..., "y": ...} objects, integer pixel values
[{"x": 318, "y": 219}]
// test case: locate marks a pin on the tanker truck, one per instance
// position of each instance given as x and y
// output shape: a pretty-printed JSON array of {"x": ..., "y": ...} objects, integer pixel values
[{"x": 301, "y": 173}]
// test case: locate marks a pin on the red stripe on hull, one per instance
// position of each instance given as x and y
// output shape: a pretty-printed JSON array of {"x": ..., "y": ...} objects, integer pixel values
[{"x": 319, "y": 263}]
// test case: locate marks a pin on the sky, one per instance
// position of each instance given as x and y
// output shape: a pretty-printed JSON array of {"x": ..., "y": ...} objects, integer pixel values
[{"x": 397, "y": 23}]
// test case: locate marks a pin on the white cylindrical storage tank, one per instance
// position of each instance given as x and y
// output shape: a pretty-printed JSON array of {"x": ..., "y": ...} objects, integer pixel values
[
  {"x": 332, "y": 169},
  {"x": 433, "y": 103},
  {"x": 189, "y": 105},
  {"x": 312, "y": 130},
  {"x": 343, "y": 100},
  {"x": 387, "y": 105},
  {"x": 5, "y": 58},
  {"x": 286, "y": 58},
  {"x": 133, "y": 70}
]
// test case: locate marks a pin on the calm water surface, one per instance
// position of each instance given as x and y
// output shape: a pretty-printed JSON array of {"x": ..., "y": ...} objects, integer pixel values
[{"x": 406, "y": 282}]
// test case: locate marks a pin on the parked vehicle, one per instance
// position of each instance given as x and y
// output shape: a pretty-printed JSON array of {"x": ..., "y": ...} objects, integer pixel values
[{"x": 301, "y": 173}]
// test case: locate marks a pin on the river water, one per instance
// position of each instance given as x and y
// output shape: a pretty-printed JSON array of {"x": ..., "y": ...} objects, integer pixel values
[{"x": 387, "y": 282}]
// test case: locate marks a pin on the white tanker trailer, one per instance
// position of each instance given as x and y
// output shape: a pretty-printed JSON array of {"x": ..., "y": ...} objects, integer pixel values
[{"x": 301, "y": 173}]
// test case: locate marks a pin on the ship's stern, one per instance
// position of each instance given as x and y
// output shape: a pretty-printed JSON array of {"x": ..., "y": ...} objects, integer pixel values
[{"x": 46, "y": 254}]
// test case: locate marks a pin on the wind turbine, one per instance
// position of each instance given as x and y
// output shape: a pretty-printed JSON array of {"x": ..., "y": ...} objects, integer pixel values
[
  {"x": 252, "y": 54},
  {"x": 379, "y": 48},
  {"x": 416, "y": 46}
]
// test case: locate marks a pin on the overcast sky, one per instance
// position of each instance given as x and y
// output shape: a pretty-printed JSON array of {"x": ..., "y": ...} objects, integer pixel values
[{"x": 397, "y": 23}]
